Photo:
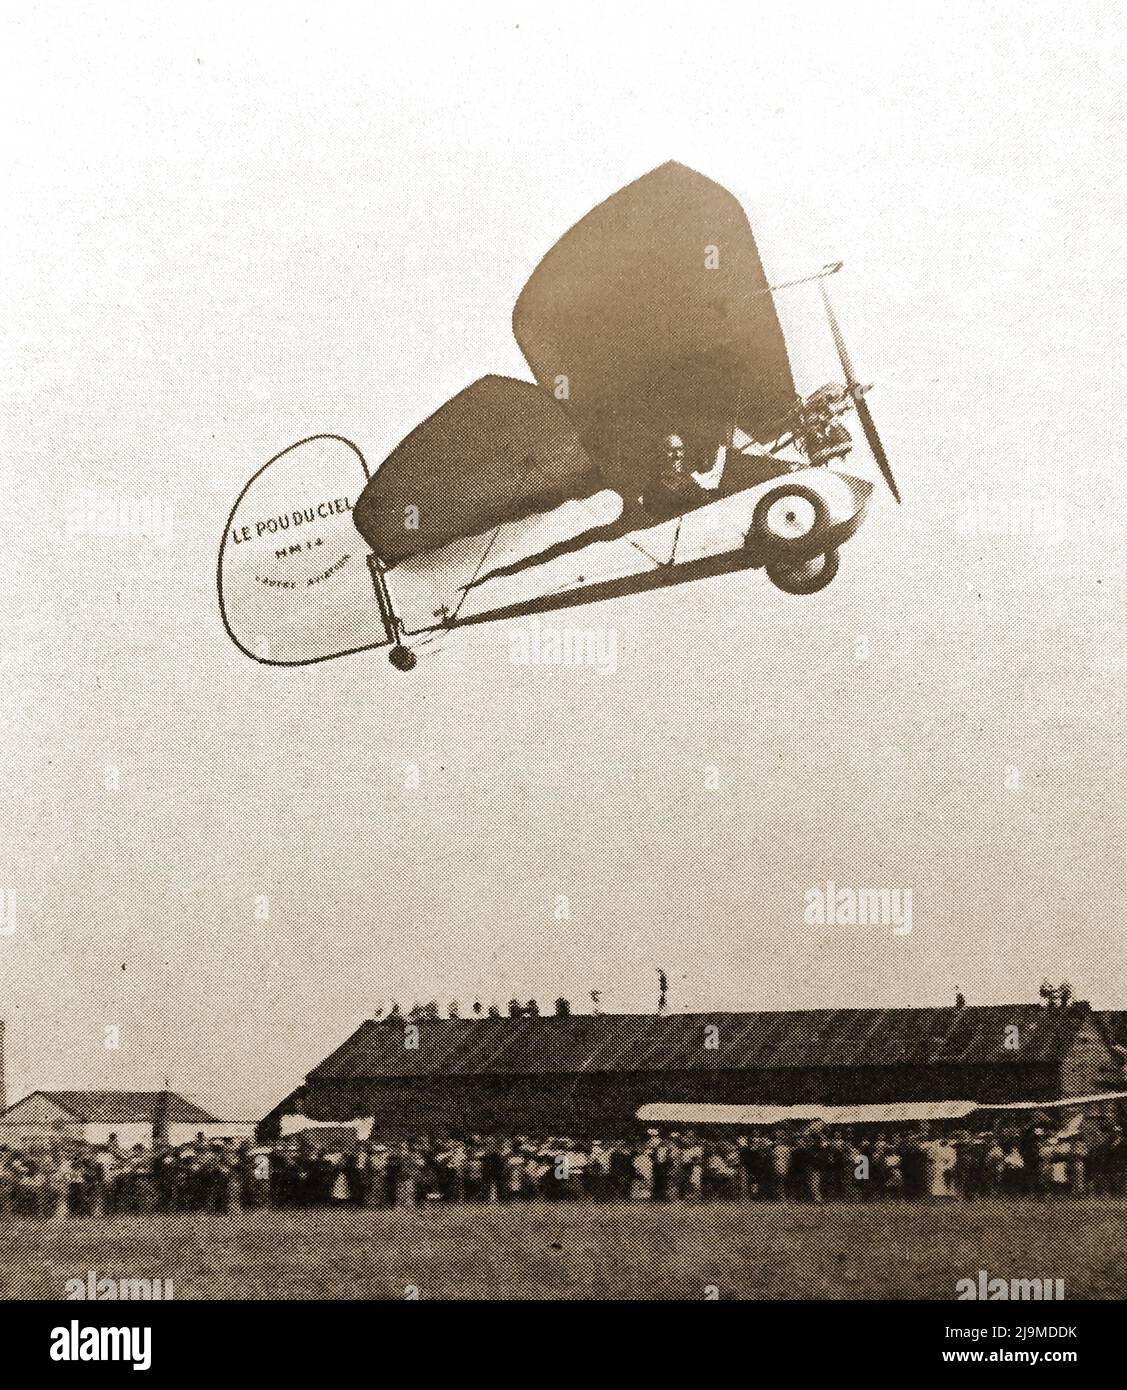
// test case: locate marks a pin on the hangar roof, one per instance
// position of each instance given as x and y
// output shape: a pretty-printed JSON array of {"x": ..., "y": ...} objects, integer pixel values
[{"x": 616, "y": 1043}]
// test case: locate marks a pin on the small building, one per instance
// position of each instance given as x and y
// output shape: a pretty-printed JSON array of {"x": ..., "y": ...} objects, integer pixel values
[
  {"x": 590, "y": 1074},
  {"x": 95, "y": 1115}
]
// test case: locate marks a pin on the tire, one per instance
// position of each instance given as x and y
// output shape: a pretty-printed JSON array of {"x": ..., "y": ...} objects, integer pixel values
[
  {"x": 804, "y": 576},
  {"x": 790, "y": 517}
]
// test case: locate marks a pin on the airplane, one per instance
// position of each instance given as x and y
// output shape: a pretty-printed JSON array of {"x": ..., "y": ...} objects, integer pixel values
[{"x": 662, "y": 440}]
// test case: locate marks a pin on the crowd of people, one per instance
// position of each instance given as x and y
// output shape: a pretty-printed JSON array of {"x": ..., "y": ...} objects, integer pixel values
[{"x": 61, "y": 1178}]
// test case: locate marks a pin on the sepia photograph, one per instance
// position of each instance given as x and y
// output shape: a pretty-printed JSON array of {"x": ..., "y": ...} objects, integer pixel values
[{"x": 565, "y": 669}]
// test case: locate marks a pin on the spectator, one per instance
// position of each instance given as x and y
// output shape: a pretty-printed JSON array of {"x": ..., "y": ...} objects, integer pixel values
[
  {"x": 71, "y": 1179},
  {"x": 781, "y": 1155},
  {"x": 1013, "y": 1171}
]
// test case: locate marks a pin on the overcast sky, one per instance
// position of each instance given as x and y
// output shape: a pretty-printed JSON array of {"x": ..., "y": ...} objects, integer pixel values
[{"x": 229, "y": 227}]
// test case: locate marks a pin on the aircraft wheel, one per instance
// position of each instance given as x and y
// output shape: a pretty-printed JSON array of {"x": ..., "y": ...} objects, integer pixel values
[
  {"x": 804, "y": 576},
  {"x": 402, "y": 659},
  {"x": 787, "y": 517}
]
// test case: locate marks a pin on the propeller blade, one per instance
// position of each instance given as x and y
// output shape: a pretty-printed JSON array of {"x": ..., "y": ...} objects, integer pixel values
[
  {"x": 857, "y": 392},
  {"x": 864, "y": 414}
]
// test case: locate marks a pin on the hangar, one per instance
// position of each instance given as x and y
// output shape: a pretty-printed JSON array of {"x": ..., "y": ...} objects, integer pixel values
[{"x": 590, "y": 1074}]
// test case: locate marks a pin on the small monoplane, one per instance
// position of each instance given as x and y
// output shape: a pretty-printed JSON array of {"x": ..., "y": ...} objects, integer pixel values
[{"x": 663, "y": 440}]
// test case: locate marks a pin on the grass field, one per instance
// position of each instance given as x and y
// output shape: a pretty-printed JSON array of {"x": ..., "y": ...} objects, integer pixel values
[{"x": 583, "y": 1251}]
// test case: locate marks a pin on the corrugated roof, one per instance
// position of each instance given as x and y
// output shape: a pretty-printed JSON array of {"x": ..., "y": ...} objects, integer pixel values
[
  {"x": 124, "y": 1107},
  {"x": 616, "y": 1043}
]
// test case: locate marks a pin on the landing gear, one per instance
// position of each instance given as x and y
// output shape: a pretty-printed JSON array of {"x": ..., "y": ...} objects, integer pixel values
[
  {"x": 401, "y": 657},
  {"x": 803, "y": 576},
  {"x": 787, "y": 518}
]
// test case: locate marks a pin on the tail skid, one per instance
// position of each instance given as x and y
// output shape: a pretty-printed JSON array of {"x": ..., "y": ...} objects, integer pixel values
[{"x": 401, "y": 657}]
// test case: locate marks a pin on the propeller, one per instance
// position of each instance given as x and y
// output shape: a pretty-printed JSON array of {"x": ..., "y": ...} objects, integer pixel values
[{"x": 857, "y": 391}]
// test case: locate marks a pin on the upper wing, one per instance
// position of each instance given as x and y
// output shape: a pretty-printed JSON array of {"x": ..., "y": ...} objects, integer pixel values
[
  {"x": 653, "y": 310},
  {"x": 498, "y": 451}
]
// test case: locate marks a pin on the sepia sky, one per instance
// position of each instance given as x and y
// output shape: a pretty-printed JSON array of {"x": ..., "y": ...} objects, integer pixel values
[{"x": 227, "y": 231}]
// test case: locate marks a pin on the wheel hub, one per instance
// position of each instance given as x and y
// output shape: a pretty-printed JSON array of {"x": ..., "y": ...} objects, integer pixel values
[{"x": 790, "y": 518}]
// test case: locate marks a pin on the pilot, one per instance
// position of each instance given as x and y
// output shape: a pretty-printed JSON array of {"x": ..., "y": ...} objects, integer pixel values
[
  {"x": 674, "y": 488},
  {"x": 670, "y": 494}
]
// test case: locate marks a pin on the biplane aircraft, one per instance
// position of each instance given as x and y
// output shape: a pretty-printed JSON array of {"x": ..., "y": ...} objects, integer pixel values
[{"x": 662, "y": 440}]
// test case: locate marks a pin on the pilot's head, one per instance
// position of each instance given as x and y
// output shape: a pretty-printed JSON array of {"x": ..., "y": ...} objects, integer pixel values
[{"x": 673, "y": 460}]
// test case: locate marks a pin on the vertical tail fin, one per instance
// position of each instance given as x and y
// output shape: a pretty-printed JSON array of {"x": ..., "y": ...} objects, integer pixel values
[{"x": 294, "y": 586}]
